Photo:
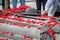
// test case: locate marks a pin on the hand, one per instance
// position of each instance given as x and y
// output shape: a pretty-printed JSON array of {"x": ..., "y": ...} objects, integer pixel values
[{"x": 45, "y": 12}]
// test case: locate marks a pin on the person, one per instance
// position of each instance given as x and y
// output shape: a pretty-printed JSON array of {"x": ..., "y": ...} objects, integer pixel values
[
  {"x": 38, "y": 4},
  {"x": 51, "y": 7},
  {"x": 14, "y": 2},
  {"x": 3, "y": 4}
]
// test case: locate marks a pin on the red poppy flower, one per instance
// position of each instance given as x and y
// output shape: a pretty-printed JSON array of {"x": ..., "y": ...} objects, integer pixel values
[
  {"x": 1, "y": 15},
  {"x": 55, "y": 23},
  {"x": 53, "y": 34},
  {"x": 42, "y": 24},
  {"x": 3, "y": 38},
  {"x": 4, "y": 16},
  {"x": 11, "y": 34},
  {"x": 14, "y": 10},
  {"x": 38, "y": 28},
  {"x": 50, "y": 24},
  {"x": 28, "y": 21},
  {"x": 21, "y": 19},
  {"x": 22, "y": 25},
  {"x": 24, "y": 36},
  {"x": 5, "y": 33},
  {"x": 29, "y": 26},
  {"x": 34, "y": 22},
  {"x": 7, "y": 11}
]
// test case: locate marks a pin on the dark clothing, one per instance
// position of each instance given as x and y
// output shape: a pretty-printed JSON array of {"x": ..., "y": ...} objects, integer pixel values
[
  {"x": 38, "y": 3},
  {"x": 57, "y": 14},
  {"x": 3, "y": 4}
]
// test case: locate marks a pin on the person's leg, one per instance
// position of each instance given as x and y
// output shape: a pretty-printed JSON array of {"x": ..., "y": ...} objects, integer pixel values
[
  {"x": 8, "y": 3},
  {"x": 38, "y": 4},
  {"x": 58, "y": 11},
  {"x": 3, "y": 4},
  {"x": 44, "y": 2},
  {"x": 52, "y": 10},
  {"x": 14, "y": 3},
  {"x": 22, "y": 2}
]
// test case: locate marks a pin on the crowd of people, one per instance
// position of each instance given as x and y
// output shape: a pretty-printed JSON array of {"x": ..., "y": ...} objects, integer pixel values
[{"x": 50, "y": 7}]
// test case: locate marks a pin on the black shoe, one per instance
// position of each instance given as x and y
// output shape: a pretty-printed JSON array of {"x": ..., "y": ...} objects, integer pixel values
[{"x": 38, "y": 11}]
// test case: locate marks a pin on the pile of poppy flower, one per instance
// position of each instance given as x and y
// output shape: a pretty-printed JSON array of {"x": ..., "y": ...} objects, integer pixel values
[{"x": 50, "y": 25}]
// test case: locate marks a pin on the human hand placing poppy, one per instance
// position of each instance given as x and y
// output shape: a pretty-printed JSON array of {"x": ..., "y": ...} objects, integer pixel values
[{"x": 45, "y": 12}]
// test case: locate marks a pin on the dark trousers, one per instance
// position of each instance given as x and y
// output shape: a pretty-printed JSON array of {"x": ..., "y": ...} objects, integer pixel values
[
  {"x": 3, "y": 4},
  {"x": 57, "y": 14},
  {"x": 38, "y": 4}
]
